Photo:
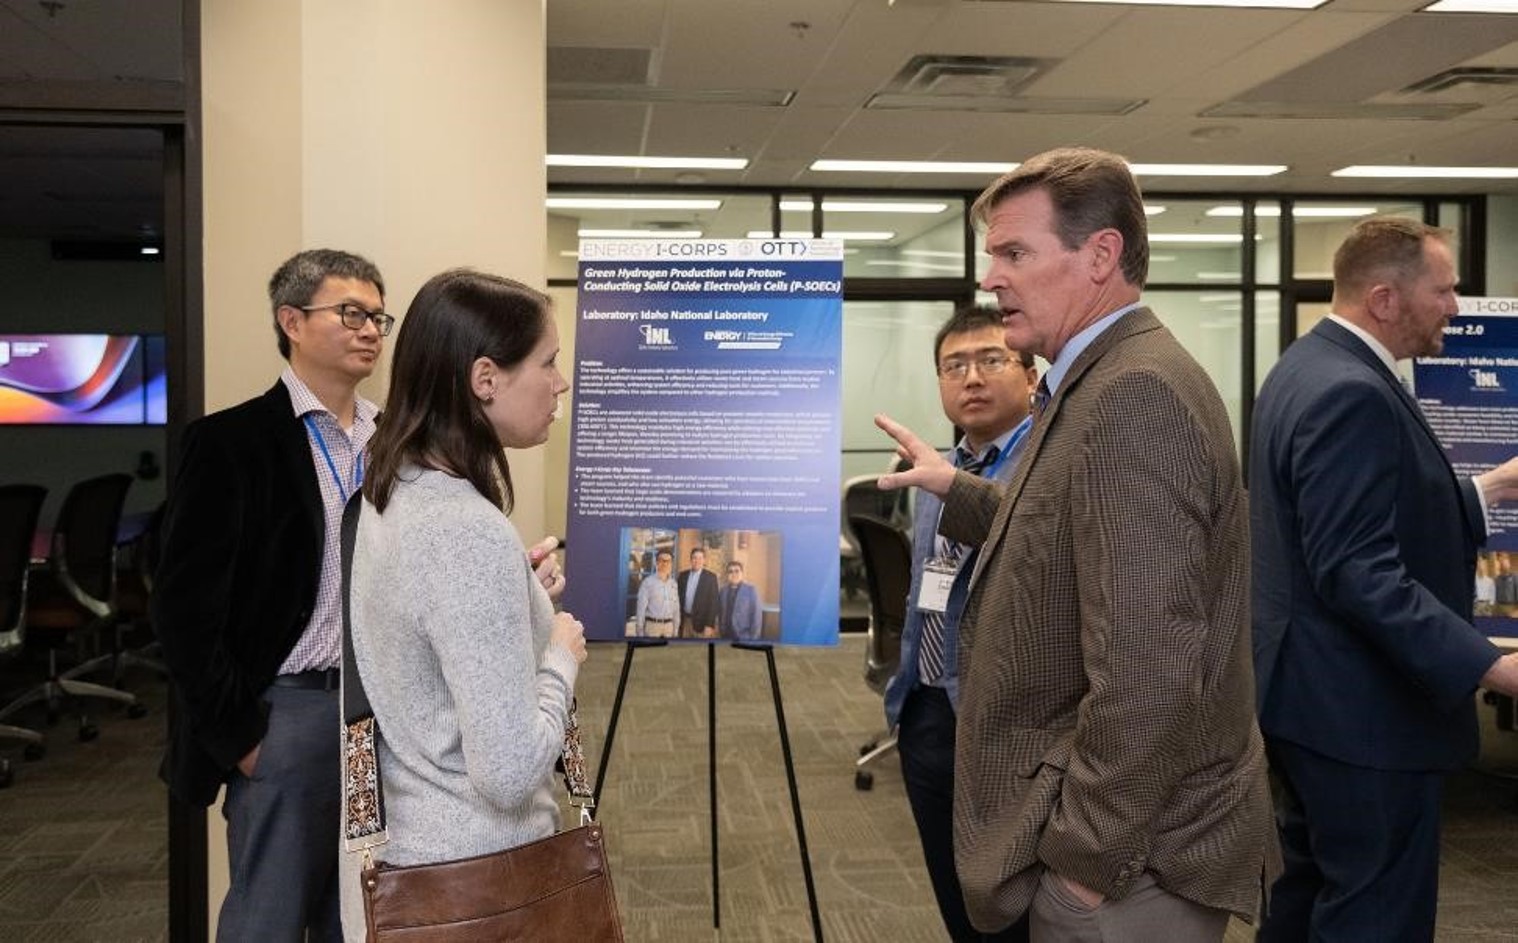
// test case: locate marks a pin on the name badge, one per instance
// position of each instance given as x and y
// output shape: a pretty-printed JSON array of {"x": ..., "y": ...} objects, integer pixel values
[{"x": 937, "y": 579}]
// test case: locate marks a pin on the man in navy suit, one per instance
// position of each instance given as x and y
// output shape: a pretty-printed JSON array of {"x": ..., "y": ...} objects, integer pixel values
[
  {"x": 1364, "y": 545},
  {"x": 984, "y": 388},
  {"x": 739, "y": 615}
]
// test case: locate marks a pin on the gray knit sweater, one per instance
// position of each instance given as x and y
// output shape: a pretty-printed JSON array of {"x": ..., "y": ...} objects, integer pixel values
[{"x": 450, "y": 632}]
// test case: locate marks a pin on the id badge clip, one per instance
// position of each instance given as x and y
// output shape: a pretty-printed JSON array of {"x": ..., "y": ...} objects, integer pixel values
[{"x": 937, "y": 579}]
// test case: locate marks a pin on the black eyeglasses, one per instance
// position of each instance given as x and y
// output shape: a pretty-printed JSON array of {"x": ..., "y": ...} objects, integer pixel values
[
  {"x": 958, "y": 370},
  {"x": 356, "y": 316}
]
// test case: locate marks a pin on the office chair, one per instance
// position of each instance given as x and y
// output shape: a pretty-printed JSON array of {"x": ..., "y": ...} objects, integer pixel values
[
  {"x": 82, "y": 561},
  {"x": 887, "y": 555},
  {"x": 861, "y": 496},
  {"x": 19, "y": 507},
  {"x": 136, "y": 603}
]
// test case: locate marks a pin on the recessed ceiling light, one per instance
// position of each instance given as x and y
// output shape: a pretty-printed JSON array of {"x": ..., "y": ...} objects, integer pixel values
[
  {"x": 1472, "y": 6},
  {"x": 1301, "y": 212},
  {"x": 1259, "y": 4},
  {"x": 1210, "y": 238},
  {"x": 855, "y": 206},
  {"x": 1152, "y": 210},
  {"x": 913, "y": 166},
  {"x": 922, "y": 266},
  {"x": 846, "y": 235},
  {"x": 994, "y": 168},
  {"x": 647, "y": 163},
  {"x": 640, "y": 234},
  {"x": 150, "y": 250},
  {"x": 934, "y": 253},
  {"x": 1207, "y": 170},
  {"x": 1406, "y": 170},
  {"x": 628, "y": 203}
]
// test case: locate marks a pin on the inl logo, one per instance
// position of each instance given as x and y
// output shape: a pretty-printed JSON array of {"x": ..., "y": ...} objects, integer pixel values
[
  {"x": 1484, "y": 379},
  {"x": 655, "y": 336}
]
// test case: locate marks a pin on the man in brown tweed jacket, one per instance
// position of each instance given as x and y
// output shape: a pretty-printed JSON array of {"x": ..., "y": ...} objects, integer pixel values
[{"x": 1110, "y": 771}]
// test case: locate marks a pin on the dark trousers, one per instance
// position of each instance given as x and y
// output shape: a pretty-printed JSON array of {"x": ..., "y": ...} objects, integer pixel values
[
  {"x": 1361, "y": 849},
  {"x": 283, "y": 827},
  {"x": 925, "y": 740}
]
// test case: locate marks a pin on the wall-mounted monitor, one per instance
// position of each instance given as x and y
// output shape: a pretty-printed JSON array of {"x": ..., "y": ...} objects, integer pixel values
[{"x": 83, "y": 379}]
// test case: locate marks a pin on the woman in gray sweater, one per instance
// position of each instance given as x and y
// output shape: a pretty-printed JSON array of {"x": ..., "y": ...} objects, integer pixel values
[{"x": 468, "y": 669}]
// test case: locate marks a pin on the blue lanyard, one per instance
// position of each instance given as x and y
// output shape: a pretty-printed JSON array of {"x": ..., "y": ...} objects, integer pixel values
[
  {"x": 943, "y": 546},
  {"x": 1017, "y": 435},
  {"x": 358, "y": 461}
]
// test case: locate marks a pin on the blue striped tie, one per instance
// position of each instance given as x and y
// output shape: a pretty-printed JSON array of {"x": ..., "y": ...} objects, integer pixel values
[{"x": 930, "y": 655}]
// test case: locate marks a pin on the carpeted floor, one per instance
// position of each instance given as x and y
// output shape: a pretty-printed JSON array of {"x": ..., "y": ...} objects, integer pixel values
[{"x": 83, "y": 847}]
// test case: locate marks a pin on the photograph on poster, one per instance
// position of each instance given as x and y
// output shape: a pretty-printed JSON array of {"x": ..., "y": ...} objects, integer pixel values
[{"x": 702, "y": 585}]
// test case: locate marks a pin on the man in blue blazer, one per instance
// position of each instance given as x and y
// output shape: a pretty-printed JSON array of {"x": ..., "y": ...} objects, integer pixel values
[
  {"x": 1364, "y": 545},
  {"x": 247, "y": 604},
  {"x": 739, "y": 615},
  {"x": 984, "y": 388}
]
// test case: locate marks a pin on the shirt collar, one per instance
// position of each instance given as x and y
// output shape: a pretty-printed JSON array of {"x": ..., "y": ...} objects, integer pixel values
[
  {"x": 1077, "y": 344},
  {"x": 304, "y": 402},
  {"x": 1376, "y": 347},
  {"x": 1002, "y": 442}
]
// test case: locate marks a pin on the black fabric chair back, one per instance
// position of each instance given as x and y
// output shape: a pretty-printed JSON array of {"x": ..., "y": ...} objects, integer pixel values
[
  {"x": 19, "y": 507},
  {"x": 887, "y": 555},
  {"x": 84, "y": 538}
]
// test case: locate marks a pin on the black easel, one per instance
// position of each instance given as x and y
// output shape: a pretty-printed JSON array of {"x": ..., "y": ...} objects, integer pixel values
[{"x": 711, "y": 713}]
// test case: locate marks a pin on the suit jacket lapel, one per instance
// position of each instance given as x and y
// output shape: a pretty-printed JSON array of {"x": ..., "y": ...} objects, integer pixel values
[
  {"x": 295, "y": 452},
  {"x": 1337, "y": 334},
  {"x": 1138, "y": 321}
]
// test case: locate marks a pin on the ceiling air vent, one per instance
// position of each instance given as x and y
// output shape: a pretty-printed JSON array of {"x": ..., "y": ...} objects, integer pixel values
[{"x": 984, "y": 83}]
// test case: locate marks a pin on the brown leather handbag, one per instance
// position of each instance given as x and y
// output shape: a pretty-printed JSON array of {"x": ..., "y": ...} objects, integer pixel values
[{"x": 556, "y": 888}]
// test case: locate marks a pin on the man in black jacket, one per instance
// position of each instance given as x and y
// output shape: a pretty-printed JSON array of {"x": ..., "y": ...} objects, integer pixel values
[
  {"x": 247, "y": 601},
  {"x": 698, "y": 598}
]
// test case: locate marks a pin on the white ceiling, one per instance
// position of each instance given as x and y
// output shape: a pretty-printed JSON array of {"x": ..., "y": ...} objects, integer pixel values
[
  {"x": 1182, "y": 78},
  {"x": 1351, "y": 60}
]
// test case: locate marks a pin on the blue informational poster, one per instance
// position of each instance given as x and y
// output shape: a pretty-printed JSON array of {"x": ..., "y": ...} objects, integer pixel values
[
  {"x": 704, "y": 443},
  {"x": 1470, "y": 395}
]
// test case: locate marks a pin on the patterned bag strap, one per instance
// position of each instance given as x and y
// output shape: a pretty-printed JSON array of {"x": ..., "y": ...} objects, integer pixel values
[
  {"x": 575, "y": 778},
  {"x": 363, "y": 793}
]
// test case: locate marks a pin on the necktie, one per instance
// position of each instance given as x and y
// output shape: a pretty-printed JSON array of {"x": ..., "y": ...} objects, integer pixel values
[
  {"x": 1041, "y": 399},
  {"x": 930, "y": 655}
]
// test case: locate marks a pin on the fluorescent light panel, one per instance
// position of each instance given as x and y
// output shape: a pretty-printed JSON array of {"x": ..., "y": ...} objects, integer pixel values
[
  {"x": 987, "y": 167},
  {"x": 854, "y": 206},
  {"x": 846, "y": 235},
  {"x": 913, "y": 166},
  {"x": 1257, "y": 4},
  {"x": 640, "y": 234},
  {"x": 647, "y": 163},
  {"x": 1472, "y": 6},
  {"x": 920, "y": 266},
  {"x": 1301, "y": 212},
  {"x": 1404, "y": 170},
  {"x": 1196, "y": 238},
  {"x": 628, "y": 203},
  {"x": 1207, "y": 170}
]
